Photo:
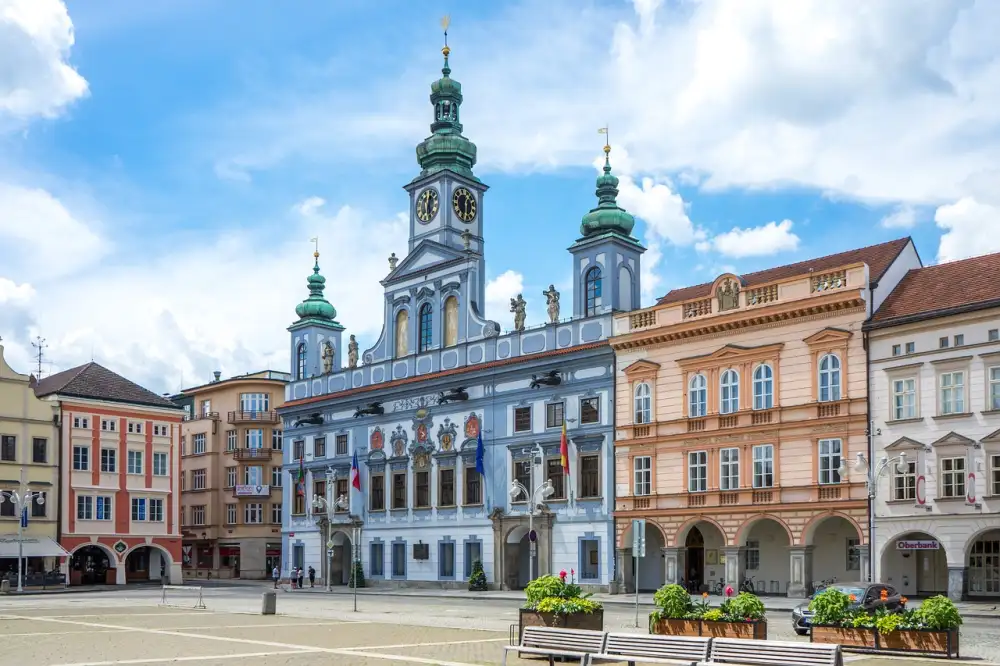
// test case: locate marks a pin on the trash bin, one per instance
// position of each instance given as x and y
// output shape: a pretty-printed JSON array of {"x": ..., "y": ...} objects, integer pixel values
[
  {"x": 269, "y": 603},
  {"x": 4, "y": 586}
]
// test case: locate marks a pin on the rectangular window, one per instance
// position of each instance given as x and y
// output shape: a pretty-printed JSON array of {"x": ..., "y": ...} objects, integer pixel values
[
  {"x": 84, "y": 507},
  {"x": 253, "y": 475},
  {"x": 897, "y": 350},
  {"x": 109, "y": 425},
  {"x": 904, "y": 485},
  {"x": 522, "y": 419},
  {"x": 642, "y": 475},
  {"x": 109, "y": 459},
  {"x": 376, "y": 560},
  {"x": 473, "y": 554},
  {"x": 104, "y": 509},
  {"x": 276, "y": 477},
  {"x": 590, "y": 476},
  {"x": 554, "y": 415},
  {"x": 911, "y": 347},
  {"x": 255, "y": 402},
  {"x": 230, "y": 440},
  {"x": 134, "y": 462},
  {"x": 763, "y": 466},
  {"x": 853, "y": 555},
  {"x": 253, "y": 513},
  {"x": 994, "y": 393},
  {"x": 298, "y": 449},
  {"x": 319, "y": 489},
  {"x": 81, "y": 458},
  {"x": 39, "y": 450},
  {"x": 995, "y": 475},
  {"x": 255, "y": 439},
  {"x": 959, "y": 340},
  {"x": 276, "y": 440},
  {"x": 138, "y": 508},
  {"x": 399, "y": 490},
  {"x": 81, "y": 422},
  {"x": 38, "y": 510},
  {"x": 230, "y": 514},
  {"x": 473, "y": 487},
  {"x": 198, "y": 515},
  {"x": 276, "y": 513},
  {"x": 184, "y": 445},
  {"x": 156, "y": 510},
  {"x": 522, "y": 474},
  {"x": 198, "y": 479},
  {"x": 446, "y": 489},
  {"x": 589, "y": 559},
  {"x": 952, "y": 393},
  {"x": 206, "y": 407},
  {"x": 953, "y": 477},
  {"x": 423, "y": 485},
  {"x": 7, "y": 509},
  {"x": 341, "y": 442},
  {"x": 554, "y": 473},
  {"x": 399, "y": 560},
  {"x": 230, "y": 477},
  {"x": 753, "y": 555},
  {"x": 319, "y": 447},
  {"x": 376, "y": 492},
  {"x": 830, "y": 451},
  {"x": 160, "y": 430},
  {"x": 993, "y": 335},
  {"x": 343, "y": 492},
  {"x": 943, "y": 343},
  {"x": 446, "y": 559},
  {"x": 904, "y": 399},
  {"x": 8, "y": 448},
  {"x": 298, "y": 504},
  {"x": 729, "y": 469},
  {"x": 198, "y": 443},
  {"x": 590, "y": 410},
  {"x": 160, "y": 464},
  {"x": 697, "y": 471},
  {"x": 135, "y": 427}
]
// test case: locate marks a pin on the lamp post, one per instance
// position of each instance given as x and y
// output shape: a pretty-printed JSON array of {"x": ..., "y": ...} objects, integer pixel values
[
  {"x": 21, "y": 499},
  {"x": 873, "y": 474},
  {"x": 535, "y": 496}
]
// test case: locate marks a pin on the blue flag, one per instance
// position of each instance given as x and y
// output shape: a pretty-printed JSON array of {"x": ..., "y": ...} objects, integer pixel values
[
  {"x": 480, "y": 450},
  {"x": 24, "y": 517}
]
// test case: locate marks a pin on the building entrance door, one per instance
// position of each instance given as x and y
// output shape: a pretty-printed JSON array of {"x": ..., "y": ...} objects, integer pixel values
[{"x": 695, "y": 574}]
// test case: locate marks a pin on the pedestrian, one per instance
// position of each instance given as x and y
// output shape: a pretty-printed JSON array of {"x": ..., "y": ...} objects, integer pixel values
[
  {"x": 276, "y": 575},
  {"x": 292, "y": 577},
  {"x": 302, "y": 575},
  {"x": 312, "y": 577}
]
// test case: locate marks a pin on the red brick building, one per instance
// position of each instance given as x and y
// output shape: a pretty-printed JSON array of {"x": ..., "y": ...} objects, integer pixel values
[{"x": 119, "y": 477}]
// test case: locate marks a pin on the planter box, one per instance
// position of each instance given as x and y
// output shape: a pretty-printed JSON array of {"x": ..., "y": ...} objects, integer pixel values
[
  {"x": 944, "y": 643},
  {"x": 528, "y": 618},
  {"x": 845, "y": 636},
  {"x": 756, "y": 630}
]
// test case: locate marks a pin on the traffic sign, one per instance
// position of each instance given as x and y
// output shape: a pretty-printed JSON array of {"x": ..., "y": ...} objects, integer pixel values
[{"x": 639, "y": 537}]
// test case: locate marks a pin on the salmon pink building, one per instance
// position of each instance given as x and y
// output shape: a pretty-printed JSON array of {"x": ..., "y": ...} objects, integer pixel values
[{"x": 119, "y": 476}]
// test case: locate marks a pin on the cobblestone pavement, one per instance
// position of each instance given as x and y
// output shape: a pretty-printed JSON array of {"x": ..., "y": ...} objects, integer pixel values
[{"x": 116, "y": 628}]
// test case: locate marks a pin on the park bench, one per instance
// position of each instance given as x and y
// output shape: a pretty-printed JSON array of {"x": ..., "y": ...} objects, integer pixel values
[
  {"x": 653, "y": 649},
  {"x": 554, "y": 642},
  {"x": 773, "y": 653}
]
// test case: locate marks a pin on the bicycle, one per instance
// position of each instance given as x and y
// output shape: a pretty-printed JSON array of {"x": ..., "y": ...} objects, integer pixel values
[
  {"x": 747, "y": 585},
  {"x": 720, "y": 587},
  {"x": 820, "y": 585}
]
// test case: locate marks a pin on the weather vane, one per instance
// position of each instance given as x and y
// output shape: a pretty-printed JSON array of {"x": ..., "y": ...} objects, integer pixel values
[
  {"x": 607, "y": 138},
  {"x": 315, "y": 241},
  {"x": 445, "y": 22}
]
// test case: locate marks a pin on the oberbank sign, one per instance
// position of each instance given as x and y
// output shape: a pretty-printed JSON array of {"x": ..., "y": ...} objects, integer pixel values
[{"x": 929, "y": 544}]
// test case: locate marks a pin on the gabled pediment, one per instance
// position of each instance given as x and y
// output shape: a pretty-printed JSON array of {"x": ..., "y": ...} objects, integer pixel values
[
  {"x": 641, "y": 367},
  {"x": 828, "y": 335},
  {"x": 731, "y": 352},
  {"x": 426, "y": 255},
  {"x": 992, "y": 438},
  {"x": 905, "y": 444},
  {"x": 954, "y": 439}
]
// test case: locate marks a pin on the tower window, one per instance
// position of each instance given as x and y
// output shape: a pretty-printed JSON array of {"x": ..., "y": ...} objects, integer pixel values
[
  {"x": 593, "y": 290},
  {"x": 425, "y": 327},
  {"x": 300, "y": 362}
]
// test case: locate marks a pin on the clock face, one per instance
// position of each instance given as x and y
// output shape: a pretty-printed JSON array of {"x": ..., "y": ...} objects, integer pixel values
[
  {"x": 427, "y": 205},
  {"x": 464, "y": 204}
]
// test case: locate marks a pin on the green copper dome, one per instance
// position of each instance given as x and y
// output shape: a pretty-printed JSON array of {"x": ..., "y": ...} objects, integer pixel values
[
  {"x": 608, "y": 216},
  {"x": 446, "y": 148},
  {"x": 316, "y": 307}
]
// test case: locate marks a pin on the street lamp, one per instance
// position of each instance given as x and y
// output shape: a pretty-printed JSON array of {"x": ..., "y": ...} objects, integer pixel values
[
  {"x": 535, "y": 496},
  {"x": 323, "y": 504},
  {"x": 873, "y": 474},
  {"x": 21, "y": 499}
]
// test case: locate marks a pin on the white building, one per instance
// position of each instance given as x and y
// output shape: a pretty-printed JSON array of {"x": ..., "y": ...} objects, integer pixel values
[{"x": 934, "y": 350}]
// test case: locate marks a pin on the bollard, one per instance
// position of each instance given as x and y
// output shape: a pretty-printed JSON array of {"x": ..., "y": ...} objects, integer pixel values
[
  {"x": 269, "y": 603},
  {"x": 4, "y": 586}
]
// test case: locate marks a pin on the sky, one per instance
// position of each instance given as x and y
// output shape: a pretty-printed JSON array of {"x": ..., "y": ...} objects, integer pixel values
[{"x": 164, "y": 164}]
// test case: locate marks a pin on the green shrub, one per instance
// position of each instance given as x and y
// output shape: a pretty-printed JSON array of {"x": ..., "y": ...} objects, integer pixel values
[
  {"x": 557, "y": 594},
  {"x": 357, "y": 575},
  {"x": 567, "y": 606},
  {"x": 713, "y": 615},
  {"x": 744, "y": 607},
  {"x": 542, "y": 587},
  {"x": 938, "y": 613},
  {"x": 886, "y": 623},
  {"x": 477, "y": 581},
  {"x": 830, "y": 607},
  {"x": 673, "y": 602}
]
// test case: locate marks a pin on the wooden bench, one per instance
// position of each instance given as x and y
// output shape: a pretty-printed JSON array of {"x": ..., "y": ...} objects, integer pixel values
[
  {"x": 773, "y": 653},
  {"x": 555, "y": 642},
  {"x": 652, "y": 648}
]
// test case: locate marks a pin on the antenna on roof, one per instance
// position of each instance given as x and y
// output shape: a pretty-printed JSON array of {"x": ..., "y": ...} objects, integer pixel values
[{"x": 39, "y": 345}]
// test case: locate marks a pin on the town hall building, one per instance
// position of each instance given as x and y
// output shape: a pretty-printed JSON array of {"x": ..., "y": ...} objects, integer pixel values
[{"x": 442, "y": 378}]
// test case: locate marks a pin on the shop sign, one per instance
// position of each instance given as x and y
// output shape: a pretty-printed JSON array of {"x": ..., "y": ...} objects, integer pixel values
[
  {"x": 920, "y": 544},
  {"x": 253, "y": 491}
]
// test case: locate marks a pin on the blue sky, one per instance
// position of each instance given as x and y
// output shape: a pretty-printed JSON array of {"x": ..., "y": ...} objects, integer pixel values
[{"x": 163, "y": 164}]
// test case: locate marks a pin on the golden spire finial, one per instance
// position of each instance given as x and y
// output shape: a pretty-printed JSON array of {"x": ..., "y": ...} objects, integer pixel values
[
  {"x": 445, "y": 22},
  {"x": 315, "y": 241}
]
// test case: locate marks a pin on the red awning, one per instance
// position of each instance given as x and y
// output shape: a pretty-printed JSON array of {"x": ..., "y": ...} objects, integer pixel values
[
  {"x": 229, "y": 551},
  {"x": 272, "y": 552}
]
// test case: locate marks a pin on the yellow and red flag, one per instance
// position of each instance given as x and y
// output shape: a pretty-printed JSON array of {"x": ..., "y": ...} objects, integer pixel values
[{"x": 564, "y": 451}]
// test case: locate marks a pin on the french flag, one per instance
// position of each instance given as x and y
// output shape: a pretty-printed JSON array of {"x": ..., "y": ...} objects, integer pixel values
[{"x": 355, "y": 473}]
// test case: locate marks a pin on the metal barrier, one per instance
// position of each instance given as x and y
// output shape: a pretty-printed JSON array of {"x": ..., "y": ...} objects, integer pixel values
[{"x": 200, "y": 603}]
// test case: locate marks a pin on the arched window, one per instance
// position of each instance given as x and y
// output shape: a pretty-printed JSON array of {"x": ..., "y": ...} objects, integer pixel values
[
  {"x": 592, "y": 288},
  {"x": 698, "y": 396},
  {"x": 829, "y": 378},
  {"x": 763, "y": 387},
  {"x": 300, "y": 362},
  {"x": 451, "y": 321},
  {"x": 402, "y": 333},
  {"x": 643, "y": 407},
  {"x": 426, "y": 318},
  {"x": 729, "y": 398}
]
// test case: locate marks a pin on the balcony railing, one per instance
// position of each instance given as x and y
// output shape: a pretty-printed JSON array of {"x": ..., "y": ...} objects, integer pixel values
[
  {"x": 241, "y": 416},
  {"x": 641, "y": 431},
  {"x": 828, "y": 409},
  {"x": 726, "y": 499},
  {"x": 203, "y": 415},
  {"x": 253, "y": 454}
]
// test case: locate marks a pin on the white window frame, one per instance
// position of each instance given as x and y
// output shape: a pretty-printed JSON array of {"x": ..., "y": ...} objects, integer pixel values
[
  {"x": 253, "y": 513},
  {"x": 642, "y": 476},
  {"x": 276, "y": 509},
  {"x": 198, "y": 443},
  {"x": 642, "y": 403},
  {"x": 155, "y": 510},
  {"x": 253, "y": 478},
  {"x": 161, "y": 463},
  {"x": 729, "y": 468},
  {"x": 81, "y": 458},
  {"x": 109, "y": 509},
  {"x": 276, "y": 477},
  {"x": 994, "y": 480},
  {"x": 255, "y": 402},
  {"x": 109, "y": 425},
  {"x": 904, "y": 485},
  {"x": 763, "y": 386},
  {"x": 138, "y": 513},
  {"x": 830, "y": 453},
  {"x": 276, "y": 440},
  {"x": 254, "y": 442},
  {"x": 763, "y": 466},
  {"x": 904, "y": 398},
  {"x": 829, "y": 377},
  {"x": 198, "y": 514},
  {"x": 230, "y": 440},
  {"x": 135, "y": 427},
  {"x": 134, "y": 462},
  {"x": 953, "y": 475},
  {"x": 113, "y": 459},
  {"x": 84, "y": 507},
  {"x": 951, "y": 392},
  {"x": 231, "y": 477},
  {"x": 993, "y": 388},
  {"x": 729, "y": 391},
  {"x": 698, "y": 396},
  {"x": 199, "y": 479},
  {"x": 232, "y": 514},
  {"x": 697, "y": 462}
]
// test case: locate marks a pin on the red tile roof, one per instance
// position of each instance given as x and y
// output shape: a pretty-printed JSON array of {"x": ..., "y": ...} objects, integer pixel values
[
  {"x": 96, "y": 382},
  {"x": 942, "y": 289},
  {"x": 878, "y": 257}
]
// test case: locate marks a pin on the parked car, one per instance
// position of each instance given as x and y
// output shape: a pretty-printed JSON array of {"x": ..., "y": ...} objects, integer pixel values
[{"x": 868, "y": 595}]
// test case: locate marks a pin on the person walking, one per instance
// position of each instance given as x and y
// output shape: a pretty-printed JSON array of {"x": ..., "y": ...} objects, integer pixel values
[
  {"x": 293, "y": 575},
  {"x": 302, "y": 576},
  {"x": 312, "y": 577},
  {"x": 276, "y": 575}
]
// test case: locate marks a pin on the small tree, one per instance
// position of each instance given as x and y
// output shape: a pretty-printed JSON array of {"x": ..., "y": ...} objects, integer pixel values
[
  {"x": 477, "y": 581},
  {"x": 357, "y": 573}
]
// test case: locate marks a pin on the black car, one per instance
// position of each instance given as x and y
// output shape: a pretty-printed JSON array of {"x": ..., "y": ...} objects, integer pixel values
[{"x": 867, "y": 595}]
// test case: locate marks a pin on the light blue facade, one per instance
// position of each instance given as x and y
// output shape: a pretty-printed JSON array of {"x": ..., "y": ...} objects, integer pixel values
[{"x": 440, "y": 374}]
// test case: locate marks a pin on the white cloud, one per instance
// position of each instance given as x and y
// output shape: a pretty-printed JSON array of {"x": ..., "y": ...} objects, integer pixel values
[
  {"x": 35, "y": 40},
  {"x": 14, "y": 293},
  {"x": 971, "y": 229},
  {"x": 499, "y": 291},
  {"x": 772, "y": 238},
  {"x": 902, "y": 217}
]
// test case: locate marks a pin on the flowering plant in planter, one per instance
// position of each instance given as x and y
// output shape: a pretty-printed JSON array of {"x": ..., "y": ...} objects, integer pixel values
[
  {"x": 554, "y": 594},
  {"x": 674, "y": 603}
]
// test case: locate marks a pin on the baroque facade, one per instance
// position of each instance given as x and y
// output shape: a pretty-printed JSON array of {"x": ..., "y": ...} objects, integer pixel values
[
  {"x": 935, "y": 377},
  {"x": 738, "y": 401},
  {"x": 442, "y": 376}
]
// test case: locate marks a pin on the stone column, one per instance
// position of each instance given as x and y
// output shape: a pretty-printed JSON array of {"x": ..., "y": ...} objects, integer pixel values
[
  {"x": 864, "y": 556},
  {"x": 734, "y": 567},
  {"x": 800, "y": 560},
  {"x": 673, "y": 565},
  {"x": 618, "y": 587},
  {"x": 956, "y": 583}
]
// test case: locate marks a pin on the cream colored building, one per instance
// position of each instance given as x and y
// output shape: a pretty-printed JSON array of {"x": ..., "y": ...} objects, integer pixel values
[
  {"x": 28, "y": 445},
  {"x": 231, "y": 445}
]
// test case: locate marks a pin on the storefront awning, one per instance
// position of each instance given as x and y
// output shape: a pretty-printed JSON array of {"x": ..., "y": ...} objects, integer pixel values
[{"x": 31, "y": 547}]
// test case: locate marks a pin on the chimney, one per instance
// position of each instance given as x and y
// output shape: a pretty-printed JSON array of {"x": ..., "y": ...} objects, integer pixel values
[{"x": 218, "y": 374}]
